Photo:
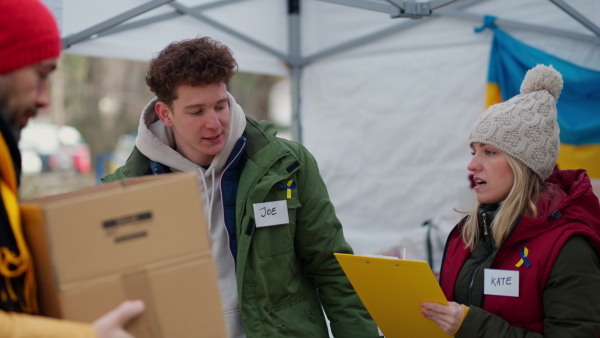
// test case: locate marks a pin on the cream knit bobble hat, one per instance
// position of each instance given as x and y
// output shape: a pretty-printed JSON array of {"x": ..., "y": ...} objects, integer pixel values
[{"x": 525, "y": 126}]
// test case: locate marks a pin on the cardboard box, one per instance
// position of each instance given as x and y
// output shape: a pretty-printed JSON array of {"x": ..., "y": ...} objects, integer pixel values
[{"x": 142, "y": 238}]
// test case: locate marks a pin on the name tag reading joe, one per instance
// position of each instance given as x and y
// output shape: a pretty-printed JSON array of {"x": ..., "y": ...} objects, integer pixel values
[
  {"x": 501, "y": 282},
  {"x": 271, "y": 213}
]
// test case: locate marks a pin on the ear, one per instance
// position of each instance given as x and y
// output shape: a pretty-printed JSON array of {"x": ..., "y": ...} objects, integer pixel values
[{"x": 164, "y": 113}]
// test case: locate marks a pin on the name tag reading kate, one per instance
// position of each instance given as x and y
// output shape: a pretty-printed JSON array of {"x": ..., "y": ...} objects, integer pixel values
[
  {"x": 501, "y": 282},
  {"x": 271, "y": 213}
]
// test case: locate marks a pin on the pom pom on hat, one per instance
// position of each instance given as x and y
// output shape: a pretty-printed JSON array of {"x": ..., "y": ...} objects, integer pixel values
[
  {"x": 28, "y": 34},
  {"x": 525, "y": 127},
  {"x": 545, "y": 78}
]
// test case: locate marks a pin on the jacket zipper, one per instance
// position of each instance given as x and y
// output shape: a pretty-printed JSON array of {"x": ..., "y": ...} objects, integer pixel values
[
  {"x": 514, "y": 227},
  {"x": 483, "y": 215},
  {"x": 469, "y": 294},
  {"x": 221, "y": 188},
  {"x": 470, "y": 290}
]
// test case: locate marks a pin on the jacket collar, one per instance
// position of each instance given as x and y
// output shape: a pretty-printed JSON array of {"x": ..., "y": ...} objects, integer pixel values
[
  {"x": 569, "y": 198},
  {"x": 258, "y": 134}
]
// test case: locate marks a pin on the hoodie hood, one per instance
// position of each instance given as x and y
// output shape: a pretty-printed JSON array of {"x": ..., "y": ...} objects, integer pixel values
[
  {"x": 157, "y": 142},
  {"x": 569, "y": 199}
]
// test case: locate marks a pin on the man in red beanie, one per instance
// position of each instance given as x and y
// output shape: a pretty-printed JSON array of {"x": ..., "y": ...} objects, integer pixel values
[{"x": 29, "y": 48}]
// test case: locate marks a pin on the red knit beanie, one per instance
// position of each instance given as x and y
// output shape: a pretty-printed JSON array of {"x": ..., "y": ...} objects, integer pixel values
[{"x": 28, "y": 34}]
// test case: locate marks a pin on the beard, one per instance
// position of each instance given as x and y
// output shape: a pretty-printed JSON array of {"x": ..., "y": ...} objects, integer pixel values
[
  {"x": 14, "y": 120},
  {"x": 13, "y": 113},
  {"x": 16, "y": 130}
]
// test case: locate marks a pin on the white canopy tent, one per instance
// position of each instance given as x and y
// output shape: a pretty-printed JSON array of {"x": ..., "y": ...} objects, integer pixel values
[{"x": 385, "y": 104}]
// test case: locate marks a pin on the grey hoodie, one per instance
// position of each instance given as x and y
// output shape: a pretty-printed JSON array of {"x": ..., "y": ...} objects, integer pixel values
[{"x": 156, "y": 142}]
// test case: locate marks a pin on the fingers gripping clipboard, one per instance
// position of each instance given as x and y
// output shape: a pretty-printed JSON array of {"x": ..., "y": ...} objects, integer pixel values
[{"x": 392, "y": 290}]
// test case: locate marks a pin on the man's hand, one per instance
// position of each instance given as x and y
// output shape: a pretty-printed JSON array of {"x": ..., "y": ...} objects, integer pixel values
[
  {"x": 448, "y": 317},
  {"x": 111, "y": 324}
]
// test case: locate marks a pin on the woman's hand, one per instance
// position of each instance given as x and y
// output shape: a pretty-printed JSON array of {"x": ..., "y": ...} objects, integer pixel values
[
  {"x": 448, "y": 317},
  {"x": 111, "y": 325}
]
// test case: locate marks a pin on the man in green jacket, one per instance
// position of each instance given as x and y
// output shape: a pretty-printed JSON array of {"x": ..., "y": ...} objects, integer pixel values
[{"x": 272, "y": 226}]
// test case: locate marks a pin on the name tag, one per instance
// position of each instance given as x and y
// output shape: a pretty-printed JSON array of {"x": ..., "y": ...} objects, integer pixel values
[
  {"x": 271, "y": 213},
  {"x": 501, "y": 282}
]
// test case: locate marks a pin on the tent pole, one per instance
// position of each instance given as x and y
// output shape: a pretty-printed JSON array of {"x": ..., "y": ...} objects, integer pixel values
[
  {"x": 92, "y": 31},
  {"x": 577, "y": 16},
  {"x": 232, "y": 32},
  {"x": 296, "y": 128},
  {"x": 363, "y": 40},
  {"x": 164, "y": 17},
  {"x": 357, "y": 42},
  {"x": 296, "y": 66}
]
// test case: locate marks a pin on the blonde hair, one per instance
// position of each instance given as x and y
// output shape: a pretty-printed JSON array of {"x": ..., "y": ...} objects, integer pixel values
[{"x": 521, "y": 201}]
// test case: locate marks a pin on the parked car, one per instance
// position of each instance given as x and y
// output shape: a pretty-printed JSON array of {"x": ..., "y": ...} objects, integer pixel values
[
  {"x": 59, "y": 148},
  {"x": 74, "y": 143}
]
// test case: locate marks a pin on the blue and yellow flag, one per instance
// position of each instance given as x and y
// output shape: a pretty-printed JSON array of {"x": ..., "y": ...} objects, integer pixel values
[{"x": 578, "y": 105}]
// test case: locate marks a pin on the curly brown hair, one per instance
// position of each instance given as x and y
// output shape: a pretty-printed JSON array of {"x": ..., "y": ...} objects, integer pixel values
[{"x": 194, "y": 62}]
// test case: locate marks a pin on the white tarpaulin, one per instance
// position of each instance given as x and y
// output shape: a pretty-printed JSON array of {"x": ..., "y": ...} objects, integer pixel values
[{"x": 388, "y": 120}]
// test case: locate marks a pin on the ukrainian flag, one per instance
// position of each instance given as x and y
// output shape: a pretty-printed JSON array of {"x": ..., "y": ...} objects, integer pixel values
[{"x": 578, "y": 105}]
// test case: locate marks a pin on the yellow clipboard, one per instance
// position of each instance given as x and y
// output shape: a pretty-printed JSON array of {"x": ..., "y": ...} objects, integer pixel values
[{"x": 392, "y": 290}]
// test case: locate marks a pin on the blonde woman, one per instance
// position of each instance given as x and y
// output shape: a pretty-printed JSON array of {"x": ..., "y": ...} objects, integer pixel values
[{"x": 524, "y": 262}]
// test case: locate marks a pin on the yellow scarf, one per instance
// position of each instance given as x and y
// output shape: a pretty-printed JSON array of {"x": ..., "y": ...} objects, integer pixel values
[{"x": 13, "y": 265}]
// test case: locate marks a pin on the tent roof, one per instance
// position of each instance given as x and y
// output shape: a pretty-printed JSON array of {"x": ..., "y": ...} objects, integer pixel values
[{"x": 266, "y": 39}]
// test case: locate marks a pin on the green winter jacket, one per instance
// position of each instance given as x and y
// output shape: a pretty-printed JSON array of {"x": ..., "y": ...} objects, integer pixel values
[{"x": 286, "y": 274}]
